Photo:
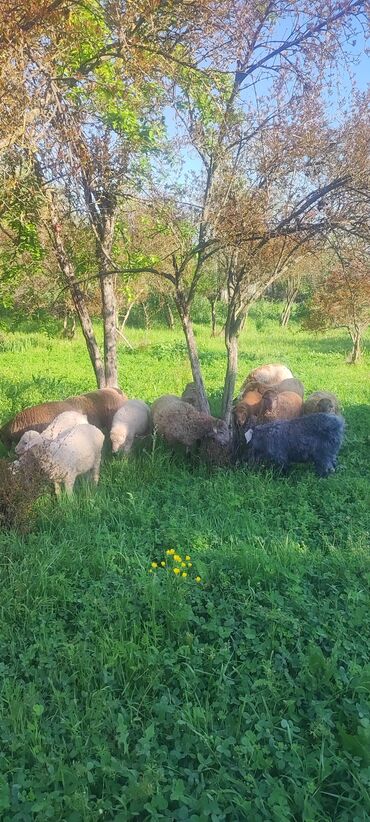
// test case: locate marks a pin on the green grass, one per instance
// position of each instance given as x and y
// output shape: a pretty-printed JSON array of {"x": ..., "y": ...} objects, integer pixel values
[{"x": 129, "y": 695}]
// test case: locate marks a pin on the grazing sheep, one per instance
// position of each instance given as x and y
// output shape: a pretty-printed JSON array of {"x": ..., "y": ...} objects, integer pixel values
[
  {"x": 311, "y": 438},
  {"x": 99, "y": 406},
  {"x": 190, "y": 395},
  {"x": 74, "y": 452},
  {"x": 250, "y": 401},
  {"x": 178, "y": 422},
  {"x": 279, "y": 406},
  {"x": 131, "y": 420},
  {"x": 63, "y": 421},
  {"x": 270, "y": 374},
  {"x": 321, "y": 401}
]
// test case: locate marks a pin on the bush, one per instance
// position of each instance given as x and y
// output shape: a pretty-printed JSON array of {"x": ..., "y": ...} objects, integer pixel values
[{"x": 19, "y": 492}]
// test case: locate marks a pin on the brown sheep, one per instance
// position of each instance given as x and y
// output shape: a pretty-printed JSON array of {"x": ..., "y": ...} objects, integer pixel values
[
  {"x": 279, "y": 406},
  {"x": 269, "y": 374},
  {"x": 190, "y": 395},
  {"x": 321, "y": 401},
  {"x": 99, "y": 406},
  {"x": 178, "y": 422},
  {"x": 250, "y": 402}
]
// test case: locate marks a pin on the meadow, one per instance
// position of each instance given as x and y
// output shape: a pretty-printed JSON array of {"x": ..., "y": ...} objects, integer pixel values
[{"x": 130, "y": 692}]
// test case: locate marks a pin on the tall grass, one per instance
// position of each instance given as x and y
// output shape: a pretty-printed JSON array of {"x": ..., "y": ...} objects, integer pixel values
[{"x": 127, "y": 694}]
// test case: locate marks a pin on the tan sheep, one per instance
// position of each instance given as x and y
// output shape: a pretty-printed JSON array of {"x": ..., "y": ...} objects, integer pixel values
[
  {"x": 130, "y": 421},
  {"x": 178, "y": 422},
  {"x": 275, "y": 405},
  {"x": 74, "y": 452},
  {"x": 99, "y": 406},
  {"x": 321, "y": 401},
  {"x": 249, "y": 403}
]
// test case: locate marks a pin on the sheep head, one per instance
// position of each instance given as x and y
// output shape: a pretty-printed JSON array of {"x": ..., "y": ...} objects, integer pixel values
[
  {"x": 27, "y": 441},
  {"x": 220, "y": 432}
]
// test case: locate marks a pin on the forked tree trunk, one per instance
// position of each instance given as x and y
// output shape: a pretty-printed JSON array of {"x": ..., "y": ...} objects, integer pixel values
[
  {"x": 193, "y": 354},
  {"x": 356, "y": 350}
]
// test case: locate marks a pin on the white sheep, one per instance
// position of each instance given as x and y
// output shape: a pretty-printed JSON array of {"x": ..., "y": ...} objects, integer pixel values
[
  {"x": 74, "y": 452},
  {"x": 67, "y": 419},
  {"x": 132, "y": 420}
]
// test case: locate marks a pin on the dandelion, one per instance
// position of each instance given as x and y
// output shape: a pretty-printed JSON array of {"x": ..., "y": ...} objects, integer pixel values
[
  {"x": 150, "y": 570},
  {"x": 170, "y": 552},
  {"x": 187, "y": 557},
  {"x": 163, "y": 564},
  {"x": 184, "y": 574},
  {"x": 190, "y": 564},
  {"x": 183, "y": 565},
  {"x": 177, "y": 558},
  {"x": 176, "y": 571},
  {"x": 154, "y": 564},
  {"x": 197, "y": 579}
]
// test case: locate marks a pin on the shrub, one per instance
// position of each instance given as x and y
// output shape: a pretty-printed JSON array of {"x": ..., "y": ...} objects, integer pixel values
[{"x": 19, "y": 492}]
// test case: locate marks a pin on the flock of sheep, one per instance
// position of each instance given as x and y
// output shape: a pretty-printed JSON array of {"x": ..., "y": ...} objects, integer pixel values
[{"x": 271, "y": 424}]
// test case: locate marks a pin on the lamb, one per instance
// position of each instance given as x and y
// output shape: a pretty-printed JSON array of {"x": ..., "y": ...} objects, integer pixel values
[
  {"x": 321, "y": 401},
  {"x": 250, "y": 402},
  {"x": 74, "y": 452},
  {"x": 99, "y": 406},
  {"x": 63, "y": 421},
  {"x": 270, "y": 374},
  {"x": 190, "y": 395},
  {"x": 178, "y": 422},
  {"x": 310, "y": 438},
  {"x": 131, "y": 420}
]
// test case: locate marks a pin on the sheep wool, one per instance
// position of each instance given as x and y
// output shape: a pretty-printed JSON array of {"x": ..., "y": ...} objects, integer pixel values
[
  {"x": 178, "y": 422},
  {"x": 131, "y": 420}
]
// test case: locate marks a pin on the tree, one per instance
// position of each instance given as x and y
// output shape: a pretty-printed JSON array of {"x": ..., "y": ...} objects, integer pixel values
[{"x": 343, "y": 298}]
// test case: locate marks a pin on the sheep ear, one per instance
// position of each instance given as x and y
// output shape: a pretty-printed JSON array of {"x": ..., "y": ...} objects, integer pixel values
[{"x": 248, "y": 435}]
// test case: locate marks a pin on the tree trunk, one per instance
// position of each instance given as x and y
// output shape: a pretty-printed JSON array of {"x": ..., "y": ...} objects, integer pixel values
[
  {"x": 69, "y": 275},
  {"x": 170, "y": 318},
  {"x": 193, "y": 354},
  {"x": 108, "y": 295},
  {"x": 78, "y": 301},
  {"x": 213, "y": 317},
  {"x": 146, "y": 317},
  {"x": 231, "y": 342},
  {"x": 356, "y": 350}
]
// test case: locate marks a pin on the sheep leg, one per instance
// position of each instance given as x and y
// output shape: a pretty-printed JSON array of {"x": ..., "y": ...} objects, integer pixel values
[
  {"x": 68, "y": 485},
  {"x": 96, "y": 470}
]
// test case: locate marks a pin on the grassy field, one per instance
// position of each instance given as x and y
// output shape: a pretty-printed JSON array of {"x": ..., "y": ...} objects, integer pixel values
[{"x": 130, "y": 694}]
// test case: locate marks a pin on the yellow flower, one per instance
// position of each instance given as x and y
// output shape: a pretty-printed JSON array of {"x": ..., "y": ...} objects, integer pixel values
[
  {"x": 163, "y": 564},
  {"x": 150, "y": 571},
  {"x": 170, "y": 552},
  {"x": 176, "y": 570},
  {"x": 184, "y": 574},
  {"x": 190, "y": 564},
  {"x": 187, "y": 557},
  {"x": 177, "y": 558},
  {"x": 183, "y": 564},
  {"x": 197, "y": 579},
  {"x": 154, "y": 564}
]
